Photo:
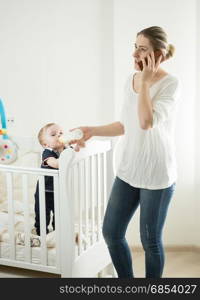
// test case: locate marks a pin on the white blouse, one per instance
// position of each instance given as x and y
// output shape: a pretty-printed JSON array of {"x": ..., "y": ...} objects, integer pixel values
[{"x": 146, "y": 158}]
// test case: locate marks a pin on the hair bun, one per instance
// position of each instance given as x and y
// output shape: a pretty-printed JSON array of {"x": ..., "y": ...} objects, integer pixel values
[{"x": 170, "y": 51}]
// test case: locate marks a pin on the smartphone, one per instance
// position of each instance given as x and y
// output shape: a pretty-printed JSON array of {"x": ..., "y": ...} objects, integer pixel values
[{"x": 157, "y": 53}]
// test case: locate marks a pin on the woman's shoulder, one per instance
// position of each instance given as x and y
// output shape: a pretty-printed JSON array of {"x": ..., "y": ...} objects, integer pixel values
[
  {"x": 172, "y": 78},
  {"x": 169, "y": 82}
]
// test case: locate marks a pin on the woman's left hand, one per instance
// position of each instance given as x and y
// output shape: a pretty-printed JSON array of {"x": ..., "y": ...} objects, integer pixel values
[{"x": 150, "y": 69}]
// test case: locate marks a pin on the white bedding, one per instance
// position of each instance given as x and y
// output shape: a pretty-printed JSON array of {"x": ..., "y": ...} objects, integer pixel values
[
  {"x": 34, "y": 239},
  {"x": 35, "y": 253},
  {"x": 20, "y": 239}
]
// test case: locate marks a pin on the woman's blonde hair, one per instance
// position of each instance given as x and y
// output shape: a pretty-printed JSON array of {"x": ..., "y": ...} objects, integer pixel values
[
  {"x": 42, "y": 132},
  {"x": 158, "y": 39}
]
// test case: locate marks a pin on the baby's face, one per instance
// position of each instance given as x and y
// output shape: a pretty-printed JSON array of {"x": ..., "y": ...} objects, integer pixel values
[{"x": 51, "y": 137}]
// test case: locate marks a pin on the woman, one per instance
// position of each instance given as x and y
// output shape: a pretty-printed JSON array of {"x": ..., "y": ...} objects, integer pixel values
[{"x": 146, "y": 173}]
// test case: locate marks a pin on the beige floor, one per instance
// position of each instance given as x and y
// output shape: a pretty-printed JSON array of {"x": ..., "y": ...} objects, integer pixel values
[{"x": 178, "y": 264}]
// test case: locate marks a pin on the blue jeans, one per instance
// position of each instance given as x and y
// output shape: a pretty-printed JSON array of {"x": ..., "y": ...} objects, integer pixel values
[{"x": 123, "y": 202}]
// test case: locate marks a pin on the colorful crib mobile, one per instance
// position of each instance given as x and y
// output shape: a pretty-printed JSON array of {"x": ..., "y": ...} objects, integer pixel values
[{"x": 8, "y": 149}]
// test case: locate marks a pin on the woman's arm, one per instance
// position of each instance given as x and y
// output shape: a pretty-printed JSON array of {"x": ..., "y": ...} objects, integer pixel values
[
  {"x": 145, "y": 109},
  {"x": 113, "y": 129}
]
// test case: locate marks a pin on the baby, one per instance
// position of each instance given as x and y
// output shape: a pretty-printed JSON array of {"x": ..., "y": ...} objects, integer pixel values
[{"x": 49, "y": 137}]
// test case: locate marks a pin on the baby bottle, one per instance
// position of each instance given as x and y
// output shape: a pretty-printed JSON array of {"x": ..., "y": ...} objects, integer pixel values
[{"x": 76, "y": 134}]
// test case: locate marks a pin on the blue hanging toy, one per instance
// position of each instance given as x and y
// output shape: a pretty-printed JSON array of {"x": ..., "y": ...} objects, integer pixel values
[{"x": 8, "y": 149}]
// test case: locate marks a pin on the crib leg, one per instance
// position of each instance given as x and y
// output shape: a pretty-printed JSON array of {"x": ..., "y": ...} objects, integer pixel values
[
  {"x": 111, "y": 272},
  {"x": 108, "y": 272},
  {"x": 100, "y": 274}
]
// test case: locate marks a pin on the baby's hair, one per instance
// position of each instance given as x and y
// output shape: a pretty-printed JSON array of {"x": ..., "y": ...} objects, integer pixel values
[{"x": 42, "y": 131}]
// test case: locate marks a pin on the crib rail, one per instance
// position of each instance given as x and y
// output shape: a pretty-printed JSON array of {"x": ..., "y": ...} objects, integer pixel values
[
  {"x": 80, "y": 199},
  {"x": 34, "y": 171}
]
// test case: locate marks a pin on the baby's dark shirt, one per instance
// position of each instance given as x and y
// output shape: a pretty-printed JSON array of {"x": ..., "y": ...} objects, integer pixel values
[{"x": 47, "y": 153}]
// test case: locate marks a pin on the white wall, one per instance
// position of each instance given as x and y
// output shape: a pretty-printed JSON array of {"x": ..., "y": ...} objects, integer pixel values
[
  {"x": 178, "y": 18},
  {"x": 56, "y": 62}
]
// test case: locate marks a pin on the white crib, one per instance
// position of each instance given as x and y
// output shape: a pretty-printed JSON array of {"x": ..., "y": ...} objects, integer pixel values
[{"x": 80, "y": 199}]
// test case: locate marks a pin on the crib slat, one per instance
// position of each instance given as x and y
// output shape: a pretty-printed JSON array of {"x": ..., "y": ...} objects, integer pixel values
[
  {"x": 86, "y": 195},
  {"x": 11, "y": 226},
  {"x": 99, "y": 197},
  {"x": 57, "y": 220},
  {"x": 73, "y": 195},
  {"x": 93, "y": 189},
  {"x": 80, "y": 193},
  {"x": 104, "y": 182},
  {"x": 42, "y": 220},
  {"x": 26, "y": 218}
]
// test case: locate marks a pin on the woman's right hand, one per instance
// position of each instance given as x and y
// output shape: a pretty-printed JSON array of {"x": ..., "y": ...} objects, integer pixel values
[{"x": 87, "y": 134}]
